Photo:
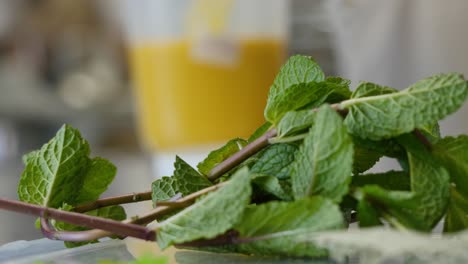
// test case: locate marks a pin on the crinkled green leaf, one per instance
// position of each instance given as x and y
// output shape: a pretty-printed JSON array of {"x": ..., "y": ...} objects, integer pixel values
[
  {"x": 323, "y": 164},
  {"x": 272, "y": 185},
  {"x": 52, "y": 175},
  {"x": 276, "y": 225},
  {"x": 296, "y": 121},
  {"x": 276, "y": 161},
  {"x": 29, "y": 156},
  {"x": 163, "y": 189},
  {"x": 453, "y": 153},
  {"x": 424, "y": 206},
  {"x": 212, "y": 215},
  {"x": 390, "y": 180},
  {"x": 431, "y": 132},
  {"x": 188, "y": 179},
  {"x": 365, "y": 89},
  {"x": 390, "y": 115},
  {"x": 259, "y": 132},
  {"x": 98, "y": 176},
  {"x": 219, "y": 155}
]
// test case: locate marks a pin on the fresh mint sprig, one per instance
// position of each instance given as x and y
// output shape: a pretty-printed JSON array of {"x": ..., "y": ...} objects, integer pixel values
[{"x": 302, "y": 172}]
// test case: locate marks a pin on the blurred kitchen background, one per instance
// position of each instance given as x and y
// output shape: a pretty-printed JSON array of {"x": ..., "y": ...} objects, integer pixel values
[{"x": 64, "y": 61}]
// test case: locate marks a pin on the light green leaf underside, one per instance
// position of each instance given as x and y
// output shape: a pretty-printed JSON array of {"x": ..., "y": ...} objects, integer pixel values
[
  {"x": 219, "y": 155},
  {"x": 272, "y": 185},
  {"x": 51, "y": 176},
  {"x": 295, "y": 121},
  {"x": 323, "y": 164},
  {"x": 278, "y": 224},
  {"x": 98, "y": 176},
  {"x": 390, "y": 115},
  {"x": 187, "y": 178},
  {"x": 276, "y": 161},
  {"x": 163, "y": 189},
  {"x": 212, "y": 215}
]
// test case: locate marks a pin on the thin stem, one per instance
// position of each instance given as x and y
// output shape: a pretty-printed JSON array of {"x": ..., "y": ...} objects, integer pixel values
[
  {"x": 123, "y": 199},
  {"x": 242, "y": 155},
  {"x": 276, "y": 140},
  {"x": 116, "y": 227},
  {"x": 423, "y": 139},
  {"x": 88, "y": 235}
]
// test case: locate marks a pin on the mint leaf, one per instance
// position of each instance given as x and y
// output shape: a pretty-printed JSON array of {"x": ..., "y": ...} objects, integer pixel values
[
  {"x": 364, "y": 159},
  {"x": 300, "y": 75},
  {"x": 277, "y": 225},
  {"x": 188, "y": 179},
  {"x": 457, "y": 212},
  {"x": 390, "y": 180},
  {"x": 98, "y": 176},
  {"x": 453, "y": 153},
  {"x": 259, "y": 132},
  {"x": 390, "y": 115},
  {"x": 425, "y": 205},
  {"x": 219, "y": 155},
  {"x": 30, "y": 156},
  {"x": 163, "y": 189},
  {"x": 323, "y": 163},
  {"x": 294, "y": 122},
  {"x": 386, "y": 147},
  {"x": 365, "y": 89},
  {"x": 52, "y": 175},
  {"x": 367, "y": 215},
  {"x": 276, "y": 161},
  {"x": 272, "y": 185},
  {"x": 212, "y": 215}
]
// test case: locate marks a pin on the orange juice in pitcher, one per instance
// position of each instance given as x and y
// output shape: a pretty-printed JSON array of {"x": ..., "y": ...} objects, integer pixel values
[{"x": 201, "y": 71}]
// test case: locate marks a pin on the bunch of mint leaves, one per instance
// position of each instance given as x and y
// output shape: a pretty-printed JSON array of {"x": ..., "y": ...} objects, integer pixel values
[{"x": 309, "y": 174}]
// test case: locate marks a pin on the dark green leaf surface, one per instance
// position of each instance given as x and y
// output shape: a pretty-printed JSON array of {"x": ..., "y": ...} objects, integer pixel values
[
  {"x": 188, "y": 179},
  {"x": 163, "y": 189},
  {"x": 52, "y": 175},
  {"x": 212, "y": 215},
  {"x": 219, "y": 155},
  {"x": 272, "y": 185},
  {"x": 367, "y": 214},
  {"x": 278, "y": 225},
  {"x": 276, "y": 161},
  {"x": 390, "y": 180},
  {"x": 296, "y": 121},
  {"x": 323, "y": 164},
  {"x": 389, "y": 115},
  {"x": 98, "y": 176},
  {"x": 457, "y": 213}
]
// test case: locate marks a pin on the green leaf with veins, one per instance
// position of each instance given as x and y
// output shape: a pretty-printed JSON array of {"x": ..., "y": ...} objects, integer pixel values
[
  {"x": 453, "y": 153},
  {"x": 276, "y": 161},
  {"x": 98, "y": 176},
  {"x": 52, "y": 175},
  {"x": 212, "y": 215},
  {"x": 295, "y": 122},
  {"x": 389, "y": 115},
  {"x": 427, "y": 202},
  {"x": 115, "y": 212},
  {"x": 323, "y": 164},
  {"x": 390, "y": 180},
  {"x": 300, "y": 74},
  {"x": 275, "y": 226},
  {"x": 188, "y": 179},
  {"x": 219, "y": 155},
  {"x": 272, "y": 185},
  {"x": 259, "y": 132},
  {"x": 365, "y": 89},
  {"x": 364, "y": 159},
  {"x": 163, "y": 189},
  {"x": 30, "y": 156}
]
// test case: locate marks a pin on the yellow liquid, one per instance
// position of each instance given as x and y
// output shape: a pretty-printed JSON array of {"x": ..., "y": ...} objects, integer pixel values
[{"x": 183, "y": 102}]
